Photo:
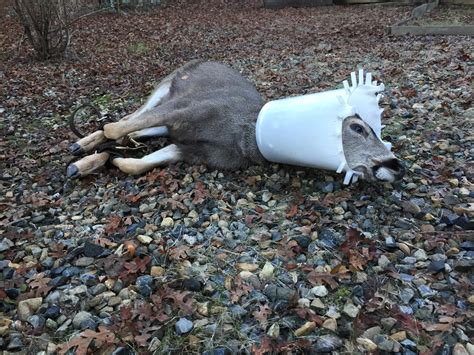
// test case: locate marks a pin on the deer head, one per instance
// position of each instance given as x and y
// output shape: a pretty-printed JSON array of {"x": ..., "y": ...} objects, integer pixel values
[{"x": 366, "y": 154}]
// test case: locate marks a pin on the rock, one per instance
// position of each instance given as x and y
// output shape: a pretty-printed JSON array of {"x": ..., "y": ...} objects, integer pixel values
[
  {"x": 328, "y": 343},
  {"x": 58, "y": 281},
  {"x": 82, "y": 318},
  {"x": 330, "y": 324},
  {"x": 203, "y": 308},
  {"x": 190, "y": 239},
  {"x": 114, "y": 301},
  {"x": 425, "y": 291},
  {"x": 267, "y": 271},
  {"x": 316, "y": 303},
  {"x": 389, "y": 345},
  {"x": 388, "y": 323},
  {"x": 467, "y": 245},
  {"x": 333, "y": 313},
  {"x": 192, "y": 284},
  {"x": 467, "y": 209},
  {"x": 328, "y": 187},
  {"x": 470, "y": 299},
  {"x": 350, "y": 310},
  {"x": 303, "y": 303},
  {"x": 266, "y": 196},
  {"x": 13, "y": 293},
  {"x": 370, "y": 333},
  {"x": 427, "y": 228},
  {"x": 305, "y": 329},
  {"x": 410, "y": 207},
  {"x": 28, "y": 307},
  {"x": 89, "y": 279},
  {"x": 436, "y": 266},
  {"x": 93, "y": 250},
  {"x": 406, "y": 309},
  {"x": 383, "y": 261},
  {"x": 167, "y": 222},
  {"x": 390, "y": 242},
  {"x": 237, "y": 311},
  {"x": 409, "y": 260},
  {"x": 403, "y": 247},
  {"x": 399, "y": 336},
  {"x": 157, "y": 271},
  {"x": 97, "y": 289},
  {"x": 52, "y": 312},
  {"x": 274, "y": 331},
  {"x": 5, "y": 244},
  {"x": 15, "y": 343},
  {"x": 420, "y": 255},
  {"x": 464, "y": 265},
  {"x": 470, "y": 348},
  {"x": 246, "y": 267},
  {"x": 144, "y": 239},
  {"x": 84, "y": 261},
  {"x": 367, "y": 344},
  {"x": 144, "y": 284},
  {"x": 276, "y": 293},
  {"x": 319, "y": 291},
  {"x": 36, "y": 321},
  {"x": 183, "y": 326},
  {"x": 459, "y": 349}
]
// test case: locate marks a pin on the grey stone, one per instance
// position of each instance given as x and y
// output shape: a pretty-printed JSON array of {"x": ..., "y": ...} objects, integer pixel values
[
  {"x": 276, "y": 293},
  {"x": 383, "y": 261},
  {"x": 351, "y": 310},
  {"x": 80, "y": 318},
  {"x": 420, "y": 255},
  {"x": 425, "y": 291},
  {"x": 409, "y": 260},
  {"x": 328, "y": 343},
  {"x": 36, "y": 321},
  {"x": 183, "y": 326},
  {"x": 84, "y": 261},
  {"x": 372, "y": 332},
  {"x": 6, "y": 244},
  {"x": 406, "y": 309},
  {"x": 406, "y": 295},
  {"x": 388, "y": 323},
  {"x": 15, "y": 343}
]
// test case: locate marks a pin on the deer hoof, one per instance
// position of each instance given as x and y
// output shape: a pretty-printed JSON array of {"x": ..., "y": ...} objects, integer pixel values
[
  {"x": 72, "y": 172},
  {"x": 75, "y": 149}
]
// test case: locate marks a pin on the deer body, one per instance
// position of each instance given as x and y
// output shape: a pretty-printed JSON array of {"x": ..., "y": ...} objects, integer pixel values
[{"x": 208, "y": 111}]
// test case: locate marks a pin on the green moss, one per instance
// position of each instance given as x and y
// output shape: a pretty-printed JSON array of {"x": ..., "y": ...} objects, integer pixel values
[
  {"x": 341, "y": 295},
  {"x": 139, "y": 48}
]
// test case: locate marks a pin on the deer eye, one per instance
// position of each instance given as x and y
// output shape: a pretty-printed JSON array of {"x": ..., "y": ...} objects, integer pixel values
[{"x": 357, "y": 128}]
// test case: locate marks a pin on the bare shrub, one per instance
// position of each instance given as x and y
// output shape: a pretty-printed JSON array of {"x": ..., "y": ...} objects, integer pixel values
[{"x": 47, "y": 24}]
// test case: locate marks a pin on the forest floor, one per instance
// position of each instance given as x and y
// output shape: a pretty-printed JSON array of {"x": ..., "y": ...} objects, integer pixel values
[{"x": 272, "y": 259}]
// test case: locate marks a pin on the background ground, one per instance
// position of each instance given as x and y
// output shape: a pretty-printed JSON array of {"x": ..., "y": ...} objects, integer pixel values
[{"x": 277, "y": 259}]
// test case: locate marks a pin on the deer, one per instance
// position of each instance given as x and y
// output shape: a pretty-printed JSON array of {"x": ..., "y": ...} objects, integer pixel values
[{"x": 208, "y": 112}]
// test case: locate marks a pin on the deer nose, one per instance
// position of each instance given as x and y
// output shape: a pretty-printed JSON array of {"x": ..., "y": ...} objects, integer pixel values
[{"x": 395, "y": 166}]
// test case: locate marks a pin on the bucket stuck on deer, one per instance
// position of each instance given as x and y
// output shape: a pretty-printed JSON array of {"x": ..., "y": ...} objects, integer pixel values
[
  {"x": 212, "y": 115},
  {"x": 291, "y": 130}
]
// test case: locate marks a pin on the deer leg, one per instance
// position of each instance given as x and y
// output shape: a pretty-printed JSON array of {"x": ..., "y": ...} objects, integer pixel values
[
  {"x": 161, "y": 131},
  {"x": 87, "y": 143},
  {"x": 167, "y": 155},
  {"x": 153, "y": 100},
  {"x": 87, "y": 165}
]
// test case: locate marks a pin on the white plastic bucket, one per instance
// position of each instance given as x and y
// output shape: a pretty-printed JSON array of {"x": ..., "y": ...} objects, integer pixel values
[{"x": 307, "y": 130}]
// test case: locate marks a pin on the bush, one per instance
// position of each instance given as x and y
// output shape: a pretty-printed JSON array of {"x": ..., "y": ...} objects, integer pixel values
[{"x": 47, "y": 24}]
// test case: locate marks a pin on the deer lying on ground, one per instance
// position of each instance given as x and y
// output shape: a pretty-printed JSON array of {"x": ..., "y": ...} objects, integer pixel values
[{"x": 209, "y": 111}]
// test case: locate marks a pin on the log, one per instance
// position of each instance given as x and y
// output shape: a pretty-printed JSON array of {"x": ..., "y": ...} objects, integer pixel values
[
  {"x": 279, "y": 4},
  {"x": 432, "y": 30}
]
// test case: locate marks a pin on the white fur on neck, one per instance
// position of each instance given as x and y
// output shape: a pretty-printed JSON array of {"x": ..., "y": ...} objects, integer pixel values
[{"x": 384, "y": 174}]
